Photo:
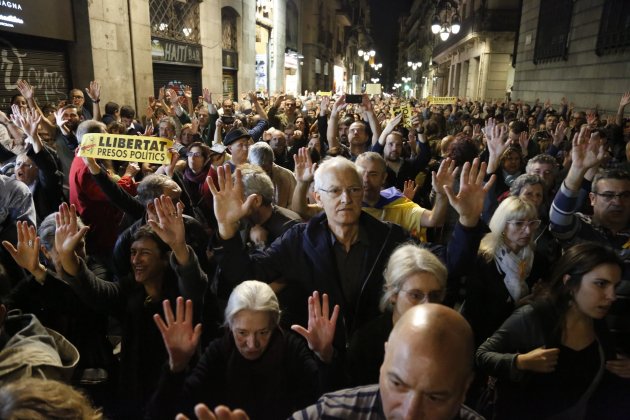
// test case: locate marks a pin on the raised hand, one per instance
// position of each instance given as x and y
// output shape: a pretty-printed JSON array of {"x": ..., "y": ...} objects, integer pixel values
[
  {"x": 207, "y": 95},
  {"x": 170, "y": 226},
  {"x": 625, "y": 99},
  {"x": 495, "y": 134},
  {"x": 445, "y": 175},
  {"x": 584, "y": 153},
  {"x": 560, "y": 133},
  {"x": 187, "y": 92},
  {"x": 172, "y": 96},
  {"x": 410, "y": 188},
  {"x": 339, "y": 104},
  {"x": 94, "y": 91},
  {"x": 27, "y": 121},
  {"x": 469, "y": 201},
  {"x": 323, "y": 105},
  {"x": 180, "y": 338},
  {"x": 26, "y": 89},
  {"x": 60, "y": 122},
  {"x": 523, "y": 141},
  {"x": 68, "y": 237},
  {"x": 148, "y": 130},
  {"x": 321, "y": 328},
  {"x": 591, "y": 118},
  {"x": 304, "y": 167},
  {"x": 230, "y": 206},
  {"x": 26, "y": 251},
  {"x": 540, "y": 360},
  {"x": 220, "y": 413}
]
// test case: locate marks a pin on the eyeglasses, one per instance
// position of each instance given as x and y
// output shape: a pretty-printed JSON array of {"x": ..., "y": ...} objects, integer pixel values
[
  {"x": 20, "y": 164},
  {"x": 522, "y": 224},
  {"x": 78, "y": 97},
  {"x": 195, "y": 154},
  {"x": 418, "y": 296},
  {"x": 336, "y": 192},
  {"x": 609, "y": 196}
]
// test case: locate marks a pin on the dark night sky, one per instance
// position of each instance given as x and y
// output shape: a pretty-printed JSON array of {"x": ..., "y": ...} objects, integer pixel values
[{"x": 384, "y": 26}]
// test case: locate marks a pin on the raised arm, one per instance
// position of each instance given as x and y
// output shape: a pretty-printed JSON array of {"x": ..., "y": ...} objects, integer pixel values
[
  {"x": 333, "y": 121},
  {"x": 304, "y": 173},
  {"x": 444, "y": 176},
  {"x": 497, "y": 144},
  {"x": 625, "y": 100},
  {"x": 321, "y": 327},
  {"x": 94, "y": 92},
  {"x": 366, "y": 105},
  {"x": 28, "y": 92}
]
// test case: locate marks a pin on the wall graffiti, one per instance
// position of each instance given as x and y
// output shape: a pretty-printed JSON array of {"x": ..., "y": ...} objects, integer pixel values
[{"x": 51, "y": 84}]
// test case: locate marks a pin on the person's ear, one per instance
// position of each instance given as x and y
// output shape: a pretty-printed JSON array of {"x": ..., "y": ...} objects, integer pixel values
[
  {"x": 565, "y": 279},
  {"x": 591, "y": 197},
  {"x": 318, "y": 198}
]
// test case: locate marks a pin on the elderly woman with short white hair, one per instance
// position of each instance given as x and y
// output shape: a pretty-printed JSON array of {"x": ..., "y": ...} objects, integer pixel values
[
  {"x": 255, "y": 366},
  {"x": 413, "y": 276}
]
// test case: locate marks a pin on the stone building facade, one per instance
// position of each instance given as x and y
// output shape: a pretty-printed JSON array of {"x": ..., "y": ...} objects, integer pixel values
[{"x": 586, "y": 57}]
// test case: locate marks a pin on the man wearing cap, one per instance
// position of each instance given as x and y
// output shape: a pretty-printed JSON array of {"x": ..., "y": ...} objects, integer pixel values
[{"x": 237, "y": 142}]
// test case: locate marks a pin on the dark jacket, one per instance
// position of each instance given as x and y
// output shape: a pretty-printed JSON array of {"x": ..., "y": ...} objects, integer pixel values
[
  {"x": 488, "y": 302},
  {"x": 528, "y": 328},
  {"x": 48, "y": 192},
  {"x": 285, "y": 378},
  {"x": 304, "y": 256},
  {"x": 143, "y": 351}
]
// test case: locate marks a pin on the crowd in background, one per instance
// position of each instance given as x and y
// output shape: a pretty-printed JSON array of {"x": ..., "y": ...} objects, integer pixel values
[{"x": 268, "y": 262}]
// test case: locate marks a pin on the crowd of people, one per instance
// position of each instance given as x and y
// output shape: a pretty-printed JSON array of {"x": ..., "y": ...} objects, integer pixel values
[{"x": 304, "y": 257}]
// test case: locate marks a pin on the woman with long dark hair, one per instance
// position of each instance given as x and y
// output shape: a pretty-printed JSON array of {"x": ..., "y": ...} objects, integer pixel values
[{"x": 550, "y": 357}]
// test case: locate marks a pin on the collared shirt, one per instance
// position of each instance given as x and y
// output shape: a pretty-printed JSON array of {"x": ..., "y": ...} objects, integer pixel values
[{"x": 349, "y": 267}]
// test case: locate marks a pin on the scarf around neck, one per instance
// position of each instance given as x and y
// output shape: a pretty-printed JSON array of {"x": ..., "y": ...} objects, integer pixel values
[{"x": 516, "y": 268}]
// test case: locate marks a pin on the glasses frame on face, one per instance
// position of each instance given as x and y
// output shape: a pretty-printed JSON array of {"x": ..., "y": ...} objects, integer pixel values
[
  {"x": 195, "y": 154},
  {"x": 609, "y": 196},
  {"x": 418, "y": 296},
  {"x": 522, "y": 224},
  {"x": 336, "y": 192}
]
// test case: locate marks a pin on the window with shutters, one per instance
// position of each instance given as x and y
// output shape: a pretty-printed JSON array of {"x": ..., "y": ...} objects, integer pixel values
[
  {"x": 614, "y": 27},
  {"x": 552, "y": 35}
]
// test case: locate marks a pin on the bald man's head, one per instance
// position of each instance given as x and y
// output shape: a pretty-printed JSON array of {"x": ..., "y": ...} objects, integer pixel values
[{"x": 428, "y": 364}]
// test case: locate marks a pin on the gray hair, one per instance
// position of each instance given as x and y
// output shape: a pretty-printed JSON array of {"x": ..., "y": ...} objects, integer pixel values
[
  {"x": 373, "y": 157},
  {"x": 544, "y": 159},
  {"x": 405, "y": 261},
  {"x": 512, "y": 208},
  {"x": 252, "y": 295},
  {"x": 46, "y": 230},
  {"x": 151, "y": 187},
  {"x": 90, "y": 126},
  {"x": 337, "y": 162},
  {"x": 256, "y": 181},
  {"x": 523, "y": 180},
  {"x": 260, "y": 154}
]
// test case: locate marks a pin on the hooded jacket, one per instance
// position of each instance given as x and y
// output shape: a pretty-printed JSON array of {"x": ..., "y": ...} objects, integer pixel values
[{"x": 35, "y": 351}]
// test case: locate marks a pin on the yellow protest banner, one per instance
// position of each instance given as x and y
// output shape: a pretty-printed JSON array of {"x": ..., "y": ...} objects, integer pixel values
[
  {"x": 320, "y": 93},
  {"x": 126, "y": 147},
  {"x": 373, "y": 89},
  {"x": 442, "y": 100},
  {"x": 406, "y": 110}
]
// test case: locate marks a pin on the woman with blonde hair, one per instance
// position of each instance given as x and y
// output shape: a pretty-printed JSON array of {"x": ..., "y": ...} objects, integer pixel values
[
  {"x": 413, "y": 276},
  {"x": 506, "y": 269}
]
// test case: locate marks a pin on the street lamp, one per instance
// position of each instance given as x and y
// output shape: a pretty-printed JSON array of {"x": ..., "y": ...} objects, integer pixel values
[
  {"x": 446, "y": 19},
  {"x": 375, "y": 79},
  {"x": 415, "y": 65},
  {"x": 366, "y": 54}
]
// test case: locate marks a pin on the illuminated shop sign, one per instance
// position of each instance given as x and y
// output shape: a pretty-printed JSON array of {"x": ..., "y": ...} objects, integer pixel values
[{"x": 45, "y": 18}]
